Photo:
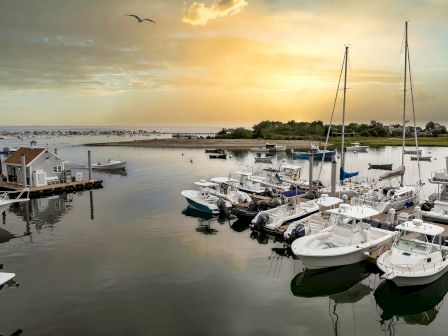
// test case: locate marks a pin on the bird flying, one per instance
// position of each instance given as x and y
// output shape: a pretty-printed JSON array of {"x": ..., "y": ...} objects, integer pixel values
[{"x": 139, "y": 19}]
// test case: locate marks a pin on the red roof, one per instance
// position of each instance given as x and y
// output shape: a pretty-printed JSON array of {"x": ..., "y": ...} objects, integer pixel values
[{"x": 30, "y": 155}]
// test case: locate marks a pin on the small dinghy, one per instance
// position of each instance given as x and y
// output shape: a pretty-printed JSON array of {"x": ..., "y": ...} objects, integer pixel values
[
  {"x": 110, "y": 165},
  {"x": 6, "y": 199},
  {"x": 417, "y": 257},
  {"x": 386, "y": 166},
  {"x": 345, "y": 242}
]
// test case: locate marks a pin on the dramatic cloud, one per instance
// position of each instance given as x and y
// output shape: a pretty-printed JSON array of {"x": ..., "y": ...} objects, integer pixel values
[{"x": 199, "y": 14}]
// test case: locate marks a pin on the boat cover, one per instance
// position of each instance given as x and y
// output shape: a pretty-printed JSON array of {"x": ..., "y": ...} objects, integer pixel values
[
  {"x": 345, "y": 175},
  {"x": 393, "y": 173}
]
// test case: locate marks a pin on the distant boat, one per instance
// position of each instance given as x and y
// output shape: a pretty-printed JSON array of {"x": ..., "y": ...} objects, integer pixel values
[
  {"x": 386, "y": 166},
  {"x": 413, "y": 151},
  {"x": 421, "y": 158},
  {"x": 218, "y": 155},
  {"x": 110, "y": 165},
  {"x": 357, "y": 147},
  {"x": 269, "y": 148},
  {"x": 316, "y": 153},
  {"x": 214, "y": 150}
]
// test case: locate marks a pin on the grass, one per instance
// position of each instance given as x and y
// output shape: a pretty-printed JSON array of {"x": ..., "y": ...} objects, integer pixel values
[{"x": 440, "y": 141}]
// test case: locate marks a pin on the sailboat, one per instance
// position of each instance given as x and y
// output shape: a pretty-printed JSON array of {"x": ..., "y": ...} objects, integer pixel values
[{"x": 398, "y": 198}]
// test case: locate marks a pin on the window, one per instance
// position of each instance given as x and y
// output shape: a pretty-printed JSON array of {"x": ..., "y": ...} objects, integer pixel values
[{"x": 57, "y": 169}]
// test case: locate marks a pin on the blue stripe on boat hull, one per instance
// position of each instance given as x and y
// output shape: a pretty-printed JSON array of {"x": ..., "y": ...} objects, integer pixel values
[{"x": 200, "y": 207}]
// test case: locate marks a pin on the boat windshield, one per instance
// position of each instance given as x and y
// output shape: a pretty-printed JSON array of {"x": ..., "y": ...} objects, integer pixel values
[
  {"x": 342, "y": 221},
  {"x": 414, "y": 243}
]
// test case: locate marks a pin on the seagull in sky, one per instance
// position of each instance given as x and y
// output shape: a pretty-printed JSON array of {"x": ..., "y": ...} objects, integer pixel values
[{"x": 139, "y": 19}]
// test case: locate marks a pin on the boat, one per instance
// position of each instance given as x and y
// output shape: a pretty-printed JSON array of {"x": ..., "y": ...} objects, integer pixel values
[
  {"x": 316, "y": 153},
  {"x": 6, "y": 278},
  {"x": 203, "y": 200},
  {"x": 110, "y": 165},
  {"x": 347, "y": 240},
  {"x": 314, "y": 223},
  {"x": 217, "y": 151},
  {"x": 6, "y": 198},
  {"x": 283, "y": 214},
  {"x": 218, "y": 155},
  {"x": 269, "y": 148},
  {"x": 228, "y": 192},
  {"x": 263, "y": 160},
  {"x": 413, "y": 151},
  {"x": 385, "y": 166},
  {"x": 417, "y": 257},
  {"x": 357, "y": 147},
  {"x": 421, "y": 158},
  {"x": 436, "y": 208},
  {"x": 244, "y": 183}
]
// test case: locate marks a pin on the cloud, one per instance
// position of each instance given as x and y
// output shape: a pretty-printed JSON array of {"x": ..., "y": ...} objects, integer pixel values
[{"x": 198, "y": 14}]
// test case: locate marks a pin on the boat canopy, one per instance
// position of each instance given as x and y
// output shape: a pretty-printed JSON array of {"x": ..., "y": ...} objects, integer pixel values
[
  {"x": 393, "y": 173},
  {"x": 327, "y": 201},
  {"x": 418, "y": 226},
  {"x": 354, "y": 211},
  {"x": 345, "y": 175}
]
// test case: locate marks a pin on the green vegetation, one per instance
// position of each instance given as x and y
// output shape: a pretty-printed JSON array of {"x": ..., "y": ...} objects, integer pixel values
[{"x": 374, "y": 134}]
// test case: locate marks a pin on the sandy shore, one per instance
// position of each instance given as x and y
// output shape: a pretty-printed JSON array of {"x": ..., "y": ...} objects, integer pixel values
[{"x": 234, "y": 144}]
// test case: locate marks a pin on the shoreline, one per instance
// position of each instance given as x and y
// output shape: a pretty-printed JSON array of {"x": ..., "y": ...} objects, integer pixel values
[{"x": 230, "y": 144}]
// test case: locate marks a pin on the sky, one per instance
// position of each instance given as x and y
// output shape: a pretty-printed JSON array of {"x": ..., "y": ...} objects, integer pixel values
[{"x": 217, "y": 62}]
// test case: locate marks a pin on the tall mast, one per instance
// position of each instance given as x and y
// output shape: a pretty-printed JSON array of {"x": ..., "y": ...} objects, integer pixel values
[
  {"x": 343, "y": 113},
  {"x": 404, "y": 95}
]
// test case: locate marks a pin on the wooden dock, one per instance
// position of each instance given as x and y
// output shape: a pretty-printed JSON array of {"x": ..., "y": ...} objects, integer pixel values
[{"x": 54, "y": 189}]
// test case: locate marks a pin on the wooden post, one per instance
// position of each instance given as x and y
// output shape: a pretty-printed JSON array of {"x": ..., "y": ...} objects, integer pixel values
[
  {"x": 89, "y": 163},
  {"x": 333, "y": 176},
  {"x": 311, "y": 163},
  {"x": 24, "y": 172},
  {"x": 56, "y": 151}
]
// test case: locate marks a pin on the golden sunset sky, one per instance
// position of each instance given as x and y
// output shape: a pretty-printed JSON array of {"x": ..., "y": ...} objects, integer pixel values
[{"x": 216, "y": 62}]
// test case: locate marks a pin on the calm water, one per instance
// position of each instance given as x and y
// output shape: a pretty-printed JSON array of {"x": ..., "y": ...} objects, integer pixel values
[{"x": 126, "y": 260}]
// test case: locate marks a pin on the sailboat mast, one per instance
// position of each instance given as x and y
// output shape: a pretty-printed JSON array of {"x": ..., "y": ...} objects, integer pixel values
[
  {"x": 343, "y": 114},
  {"x": 404, "y": 96}
]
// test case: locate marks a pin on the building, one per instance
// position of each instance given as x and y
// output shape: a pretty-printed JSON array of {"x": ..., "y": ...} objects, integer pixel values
[{"x": 42, "y": 167}]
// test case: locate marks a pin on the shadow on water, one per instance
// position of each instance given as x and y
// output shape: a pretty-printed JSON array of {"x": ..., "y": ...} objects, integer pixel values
[
  {"x": 414, "y": 305},
  {"x": 239, "y": 225}
]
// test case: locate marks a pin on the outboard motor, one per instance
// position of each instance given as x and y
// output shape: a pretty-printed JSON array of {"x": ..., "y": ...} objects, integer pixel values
[
  {"x": 427, "y": 206},
  {"x": 222, "y": 206},
  {"x": 297, "y": 232},
  {"x": 262, "y": 220}
]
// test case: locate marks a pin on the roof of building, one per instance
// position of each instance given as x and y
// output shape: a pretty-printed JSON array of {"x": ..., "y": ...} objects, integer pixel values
[{"x": 30, "y": 155}]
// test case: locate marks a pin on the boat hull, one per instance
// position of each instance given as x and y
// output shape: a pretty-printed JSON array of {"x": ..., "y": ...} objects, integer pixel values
[
  {"x": 198, "y": 205},
  {"x": 110, "y": 166},
  {"x": 435, "y": 216},
  {"x": 328, "y": 156}
]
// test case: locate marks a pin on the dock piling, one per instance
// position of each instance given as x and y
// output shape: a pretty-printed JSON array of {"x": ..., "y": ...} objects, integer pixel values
[
  {"x": 333, "y": 177},
  {"x": 24, "y": 172},
  {"x": 89, "y": 162}
]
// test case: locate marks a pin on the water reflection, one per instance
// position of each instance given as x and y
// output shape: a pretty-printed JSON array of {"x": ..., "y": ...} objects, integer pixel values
[
  {"x": 342, "y": 285},
  {"x": 412, "y": 305},
  {"x": 205, "y": 220}
]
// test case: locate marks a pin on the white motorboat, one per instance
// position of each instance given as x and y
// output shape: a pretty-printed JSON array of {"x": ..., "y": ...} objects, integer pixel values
[
  {"x": 314, "y": 223},
  {"x": 244, "y": 183},
  {"x": 345, "y": 242},
  {"x": 229, "y": 192},
  {"x": 357, "y": 147},
  {"x": 291, "y": 211},
  {"x": 437, "y": 208},
  {"x": 203, "y": 200},
  {"x": 269, "y": 148},
  {"x": 6, "y": 198},
  {"x": 110, "y": 165},
  {"x": 417, "y": 257}
]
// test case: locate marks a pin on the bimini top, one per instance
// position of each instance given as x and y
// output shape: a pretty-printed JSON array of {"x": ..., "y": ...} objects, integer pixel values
[
  {"x": 354, "y": 211},
  {"x": 418, "y": 226},
  {"x": 327, "y": 201},
  {"x": 223, "y": 180},
  {"x": 205, "y": 184}
]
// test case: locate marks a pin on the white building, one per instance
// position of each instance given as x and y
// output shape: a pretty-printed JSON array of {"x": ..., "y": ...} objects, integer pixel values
[{"x": 42, "y": 167}]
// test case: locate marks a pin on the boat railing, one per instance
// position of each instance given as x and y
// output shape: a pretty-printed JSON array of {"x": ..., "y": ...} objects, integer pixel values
[
  {"x": 5, "y": 195},
  {"x": 410, "y": 268}
]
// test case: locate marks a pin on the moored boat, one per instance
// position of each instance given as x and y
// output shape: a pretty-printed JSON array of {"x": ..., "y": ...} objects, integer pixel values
[{"x": 110, "y": 165}]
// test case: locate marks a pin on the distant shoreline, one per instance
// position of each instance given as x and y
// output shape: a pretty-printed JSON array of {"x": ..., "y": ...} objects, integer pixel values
[{"x": 231, "y": 144}]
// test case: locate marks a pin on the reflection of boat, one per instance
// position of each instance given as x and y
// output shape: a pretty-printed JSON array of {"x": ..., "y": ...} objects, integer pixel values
[
  {"x": 345, "y": 241},
  {"x": 316, "y": 153},
  {"x": 329, "y": 281},
  {"x": 110, "y": 165},
  {"x": 416, "y": 304},
  {"x": 417, "y": 257},
  {"x": 385, "y": 166},
  {"x": 269, "y": 148},
  {"x": 190, "y": 212}
]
